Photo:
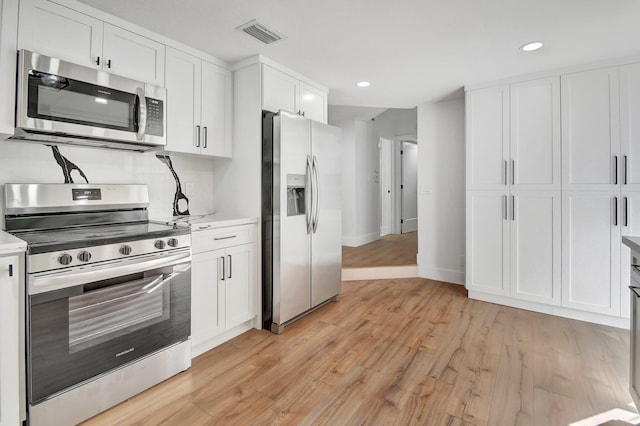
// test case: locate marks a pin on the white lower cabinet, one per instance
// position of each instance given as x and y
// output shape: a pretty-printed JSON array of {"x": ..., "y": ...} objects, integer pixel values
[
  {"x": 591, "y": 225},
  {"x": 9, "y": 342},
  {"x": 223, "y": 284},
  {"x": 513, "y": 244}
]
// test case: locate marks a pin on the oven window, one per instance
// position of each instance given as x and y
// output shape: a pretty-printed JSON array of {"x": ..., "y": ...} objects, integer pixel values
[
  {"x": 62, "y": 99},
  {"x": 106, "y": 314}
]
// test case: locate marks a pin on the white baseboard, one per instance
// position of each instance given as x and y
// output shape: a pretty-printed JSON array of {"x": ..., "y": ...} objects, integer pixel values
[
  {"x": 379, "y": 273},
  {"x": 438, "y": 274},
  {"x": 559, "y": 311},
  {"x": 360, "y": 240}
]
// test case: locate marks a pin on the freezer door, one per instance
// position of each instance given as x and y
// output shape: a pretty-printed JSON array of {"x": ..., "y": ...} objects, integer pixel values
[
  {"x": 326, "y": 239},
  {"x": 292, "y": 291}
]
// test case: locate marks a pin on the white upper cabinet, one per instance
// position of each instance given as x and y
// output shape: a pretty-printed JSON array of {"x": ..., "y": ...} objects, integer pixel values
[
  {"x": 199, "y": 106},
  {"x": 280, "y": 91},
  {"x": 630, "y": 126},
  {"x": 8, "y": 47},
  {"x": 488, "y": 138},
  {"x": 63, "y": 33},
  {"x": 590, "y": 130},
  {"x": 535, "y": 134}
]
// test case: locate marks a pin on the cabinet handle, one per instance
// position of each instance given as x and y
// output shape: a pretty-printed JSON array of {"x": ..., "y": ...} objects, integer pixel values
[
  {"x": 224, "y": 238},
  {"x": 223, "y": 268},
  {"x": 513, "y": 207},
  {"x": 626, "y": 211},
  {"x": 615, "y": 211},
  {"x": 513, "y": 172},
  {"x": 303, "y": 113},
  {"x": 197, "y": 141},
  {"x": 230, "y": 266},
  {"x": 625, "y": 169},
  {"x": 504, "y": 207},
  {"x": 10, "y": 269},
  {"x": 505, "y": 173},
  {"x": 98, "y": 61},
  {"x": 615, "y": 169},
  {"x": 635, "y": 289},
  {"x": 109, "y": 64},
  {"x": 204, "y": 144}
]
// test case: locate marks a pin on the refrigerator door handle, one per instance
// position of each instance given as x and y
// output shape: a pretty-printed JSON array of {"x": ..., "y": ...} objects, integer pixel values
[
  {"x": 308, "y": 197},
  {"x": 316, "y": 193}
]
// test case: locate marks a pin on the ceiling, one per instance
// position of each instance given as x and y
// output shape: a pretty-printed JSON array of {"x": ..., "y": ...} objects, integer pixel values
[{"x": 412, "y": 51}]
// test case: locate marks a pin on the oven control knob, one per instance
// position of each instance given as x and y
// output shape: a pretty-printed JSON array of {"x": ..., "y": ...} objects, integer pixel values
[
  {"x": 159, "y": 244},
  {"x": 125, "y": 250},
  {"x": 84, "y": 256},
  {"x": 173, "y": 242},
  {"x": 65, "y": 259}
]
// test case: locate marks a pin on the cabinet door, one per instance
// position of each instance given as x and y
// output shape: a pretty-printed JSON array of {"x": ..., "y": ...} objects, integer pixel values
[
  {"x": 216, "y": 110},
  {"x": 8, "y": 41},
  {"x": 487, "y": 137},
  {"x": 183, "y": 73},
  {"x": 279, "y": 91},
  {"x": 535, "y": 134},
  {"x": 591, "y": 251},
  {"x": 131, "y": 55},
  {"x": 487, "y": 242},
  {"x": 630, "y": 126},
  {"x": 590, "y": 130},
  {"x": 630, "y": 218},
  {"x": 59, "y": 32},
  {"x": 9, "y": 342},
  {"x": 535, "y": 246},
  {"x": 313, "y": 103},
  {"x": 240, "y": 284},
  {"x": 207, "y": 296}
]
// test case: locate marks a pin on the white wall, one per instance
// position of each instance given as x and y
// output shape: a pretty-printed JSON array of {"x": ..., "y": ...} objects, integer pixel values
[
  {"x": 34, "y": 163},
  {"x": 441, "y": 186}
]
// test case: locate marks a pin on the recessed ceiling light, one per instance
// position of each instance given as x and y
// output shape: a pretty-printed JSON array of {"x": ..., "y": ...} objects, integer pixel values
[
  {"x": 530, "y": 47},
  {"x": 363, "y": 84}
]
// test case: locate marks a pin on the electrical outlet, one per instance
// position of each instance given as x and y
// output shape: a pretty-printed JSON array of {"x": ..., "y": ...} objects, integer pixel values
[{"x": 189, "y": 188}]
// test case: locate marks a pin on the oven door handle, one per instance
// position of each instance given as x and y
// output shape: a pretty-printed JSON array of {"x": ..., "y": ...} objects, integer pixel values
[{"x": 41, "y": 283}]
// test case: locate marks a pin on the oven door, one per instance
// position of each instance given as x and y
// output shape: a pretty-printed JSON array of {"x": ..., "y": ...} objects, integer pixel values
[{"x": 87, "y": 329}]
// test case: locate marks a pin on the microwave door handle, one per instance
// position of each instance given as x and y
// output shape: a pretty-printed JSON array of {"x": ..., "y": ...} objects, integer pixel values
[{"x": 142, "y": 113}]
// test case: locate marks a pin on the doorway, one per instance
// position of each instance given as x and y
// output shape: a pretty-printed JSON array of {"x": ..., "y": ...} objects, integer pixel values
[{"x": 409, "y": 187}]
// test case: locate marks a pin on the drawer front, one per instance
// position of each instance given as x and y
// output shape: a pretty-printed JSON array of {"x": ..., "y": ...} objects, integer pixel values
[{"x": 215, "y": 239}]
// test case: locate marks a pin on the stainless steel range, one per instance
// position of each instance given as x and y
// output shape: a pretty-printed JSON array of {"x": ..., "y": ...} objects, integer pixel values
[{"x": 108, "y": 296}]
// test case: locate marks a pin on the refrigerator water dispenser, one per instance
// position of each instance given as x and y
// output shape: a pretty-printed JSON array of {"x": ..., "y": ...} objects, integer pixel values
[{"x": 295, "y": 195}]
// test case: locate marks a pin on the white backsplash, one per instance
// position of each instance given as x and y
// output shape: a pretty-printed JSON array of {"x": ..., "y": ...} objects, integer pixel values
[{"x": 34, "y": 163}]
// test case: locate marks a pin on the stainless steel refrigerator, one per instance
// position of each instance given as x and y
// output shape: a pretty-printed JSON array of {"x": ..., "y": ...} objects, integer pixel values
[{"x": 301, "y": 217}]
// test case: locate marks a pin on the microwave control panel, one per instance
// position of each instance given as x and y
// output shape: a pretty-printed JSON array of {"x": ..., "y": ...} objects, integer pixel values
[{"x": 155, "y": 117}]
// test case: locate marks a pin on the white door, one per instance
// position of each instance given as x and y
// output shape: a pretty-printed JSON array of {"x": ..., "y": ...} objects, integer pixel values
[
  {"x": 240, "y": 285},
  {"x": 53, "y": 30},
  {"x": 487, "y": 138},
  {"x": 132, "y": 55},
  {"x": 590, "y": 130},
  {"x": 386, "y": 186},
  {"x": 183, "y": 75},
  {"x": 630, "y": 221},
  {"x": 630, "y": 126},
  {"x": 535, "y": 220},
  {"x": 313, "y": 103},
  {"x": 207, "y": 294},
  {"x": 409, "y": 188},
  {"x": 216, "y": 110},
  {"x": 591, "y": 225},
  {"x": 487, "y": 242},
  {"x": 535, "y": 134},
  {"x": 279, "y": 91},
  {"x": 9, "y": 342}
]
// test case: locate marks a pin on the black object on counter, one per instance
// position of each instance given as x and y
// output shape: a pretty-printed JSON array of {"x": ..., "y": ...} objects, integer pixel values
[
  {"x": 179, "y": 195},
  {"x": 66, "y": 165}
]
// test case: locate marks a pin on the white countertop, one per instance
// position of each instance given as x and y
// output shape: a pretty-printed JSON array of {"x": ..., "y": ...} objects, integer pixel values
[
  {"x": 10, "y": 244},
  {"x": 632, "y": 242},
  {"x": 210, "y": 221}
]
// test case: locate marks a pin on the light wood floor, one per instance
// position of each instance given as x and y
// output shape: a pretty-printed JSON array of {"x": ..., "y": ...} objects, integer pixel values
[
  {"x": 390, "y": 250},
  {"x": 409, "y": 352}
]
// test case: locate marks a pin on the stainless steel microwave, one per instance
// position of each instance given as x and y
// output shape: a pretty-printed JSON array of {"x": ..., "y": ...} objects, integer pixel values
[{"x": 59, "y": 102}]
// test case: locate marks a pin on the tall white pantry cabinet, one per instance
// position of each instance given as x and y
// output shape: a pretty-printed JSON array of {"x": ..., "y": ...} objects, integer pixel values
[{"x": 552, "y": 180}]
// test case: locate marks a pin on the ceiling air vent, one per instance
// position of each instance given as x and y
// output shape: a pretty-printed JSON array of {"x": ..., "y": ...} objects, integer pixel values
[{"x": 259, "y": 31}]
